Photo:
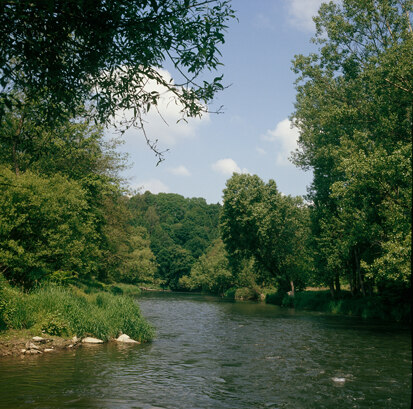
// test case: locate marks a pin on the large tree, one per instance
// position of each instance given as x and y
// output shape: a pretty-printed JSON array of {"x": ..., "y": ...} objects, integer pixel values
[
  {"x": 65, "y": 53},
  {"x": 261, "y": 225},
  {"x": 354, "y": 113}
]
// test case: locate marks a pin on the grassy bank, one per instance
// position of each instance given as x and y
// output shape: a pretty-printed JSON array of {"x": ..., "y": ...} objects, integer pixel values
[
  {"x": 391, "y": 307},
  {"x": 69, "y": 311}
]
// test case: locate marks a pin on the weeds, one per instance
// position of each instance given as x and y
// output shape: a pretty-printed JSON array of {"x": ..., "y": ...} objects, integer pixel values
[{"x": 66, "y": 311}]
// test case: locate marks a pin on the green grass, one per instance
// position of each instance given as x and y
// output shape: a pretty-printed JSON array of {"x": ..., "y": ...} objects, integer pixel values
[
  {"x": 394, "y": 308},
  {"x": 66, "y": 311}
]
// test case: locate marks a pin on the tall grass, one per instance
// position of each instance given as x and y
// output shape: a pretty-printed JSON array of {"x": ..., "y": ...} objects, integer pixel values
[
  {"x": 376, "y": 306},
  {"x": 69, "y": 311}
]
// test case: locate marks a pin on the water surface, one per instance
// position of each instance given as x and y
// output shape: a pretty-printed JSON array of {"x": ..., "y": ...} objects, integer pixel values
[{"x": 214, "y": 354}]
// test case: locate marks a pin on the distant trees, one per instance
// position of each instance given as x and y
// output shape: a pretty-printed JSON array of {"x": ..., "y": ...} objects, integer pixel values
[
  {"x": 211, "y": 272},
  {"x": 354, "y": 113},
  {"x": 180, "y": 231}
]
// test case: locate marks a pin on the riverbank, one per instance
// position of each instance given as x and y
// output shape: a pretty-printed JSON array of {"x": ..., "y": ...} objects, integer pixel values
[
  {"x": 21, "y": 343},
  {"x": 61, "y": 313},
  {"x": 394, "y": 307}
]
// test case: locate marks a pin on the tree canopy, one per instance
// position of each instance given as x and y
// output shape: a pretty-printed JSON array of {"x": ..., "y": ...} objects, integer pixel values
[
  {"x": 104, "y": 53},
  {"x": 354, "y": 114},
  {"x": 258, "y": 223}
]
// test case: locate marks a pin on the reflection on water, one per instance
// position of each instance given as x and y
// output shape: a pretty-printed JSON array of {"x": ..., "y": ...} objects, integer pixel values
[{"x": 214, "y": 354}]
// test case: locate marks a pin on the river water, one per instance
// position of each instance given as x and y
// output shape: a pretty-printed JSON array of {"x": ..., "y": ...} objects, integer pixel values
[{"x": 209, "y": 353}]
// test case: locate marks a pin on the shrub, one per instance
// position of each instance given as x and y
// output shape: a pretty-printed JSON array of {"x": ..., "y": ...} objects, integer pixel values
[
  {"x": 246, "y": 293},
  {"x": 54, "y": 324},
  {"x": 275, "y": 298}
]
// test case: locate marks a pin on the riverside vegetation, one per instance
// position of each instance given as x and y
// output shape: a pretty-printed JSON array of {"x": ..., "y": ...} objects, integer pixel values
[{"x": 66, "y": 218}]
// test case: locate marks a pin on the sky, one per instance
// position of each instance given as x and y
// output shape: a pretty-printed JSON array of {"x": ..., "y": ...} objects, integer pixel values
[{"x": 253, "y": 134}]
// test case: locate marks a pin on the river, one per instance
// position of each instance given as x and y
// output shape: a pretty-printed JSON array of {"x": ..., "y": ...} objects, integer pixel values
[{"x": 209, "y": 353}]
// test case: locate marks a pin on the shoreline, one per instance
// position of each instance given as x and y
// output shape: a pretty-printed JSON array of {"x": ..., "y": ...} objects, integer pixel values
[
  {"x": 18, "y": 343},
  {"x": 14, "y": 343}
]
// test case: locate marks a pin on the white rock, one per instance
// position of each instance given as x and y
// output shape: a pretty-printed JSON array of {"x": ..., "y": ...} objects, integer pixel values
[
  {"x": 75, "y": 339},
  {"x": 22, "y": 351},
  {"x": 32, "y": 346},
  {"x": 126, "y": 339},
  {"x": 90, "y": 340},
  {"x": 339, "y": 380},
  {"x": 38, "y": 339},
  {"x": 48, "y": 350}
]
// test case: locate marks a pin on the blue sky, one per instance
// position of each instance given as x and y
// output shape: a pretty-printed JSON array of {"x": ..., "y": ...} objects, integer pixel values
[{"x": 253, "y": 133}]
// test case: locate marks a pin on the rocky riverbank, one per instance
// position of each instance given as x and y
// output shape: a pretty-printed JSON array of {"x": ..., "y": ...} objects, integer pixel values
[{"x": 18, "y": 343}]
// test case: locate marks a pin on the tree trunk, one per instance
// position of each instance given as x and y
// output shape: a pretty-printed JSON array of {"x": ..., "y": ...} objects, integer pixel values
[
  {"x": 337, "y": 283},
  {"x": 15, "y": 139},
  {"x": 358, "y": 270},
  {"x": 292, "y": 288},
  {"x": 15, "y": 163},
  {"x": 332, "y": 291}
]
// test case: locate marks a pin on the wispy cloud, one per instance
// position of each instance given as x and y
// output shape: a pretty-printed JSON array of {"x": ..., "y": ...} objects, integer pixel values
[
  {"x": 163, "y": 122},
  {"x": 227, "y": 167},
  {"x": 285, "y": 137},
  {"x": 301, "y": 13},
  {"x": 261, "y": 151},
  {"x": 180, "y": 171}
]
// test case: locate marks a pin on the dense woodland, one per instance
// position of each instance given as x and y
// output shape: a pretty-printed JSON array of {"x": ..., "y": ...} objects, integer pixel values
[{"x": 66, "y": 216}]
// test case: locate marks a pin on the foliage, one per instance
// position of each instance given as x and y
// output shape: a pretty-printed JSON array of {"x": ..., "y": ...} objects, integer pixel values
[
  {"x": 354, "y": 114},
  {"x": 210, "y": 273},
  {"x": 384, "y": 307},
  {"x": 127, "y": 255},
  {"x": 247, "y": 293},
  {"x": 54, "y": 324},
  {"x": 179, "y": 229},
  {"x": 45, "y": 226},
  {"x": 68, "y": 53},
  {"x": 266, "y": 229},
  {"x": 65, "y": 312}
]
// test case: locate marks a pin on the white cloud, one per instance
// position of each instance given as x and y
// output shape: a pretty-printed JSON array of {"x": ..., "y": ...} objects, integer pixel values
[
  {"x": 162, "y": 122},
  {"x": 285, "y": 138},
  {"x": 227, "y": 167},
  {"x": 180, "y": 171},
  {"x": 301, "y": 13},
  {"x": 153, "y": 185}
]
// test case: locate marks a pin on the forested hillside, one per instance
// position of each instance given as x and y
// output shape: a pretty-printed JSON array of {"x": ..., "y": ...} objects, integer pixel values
[{"x": 180, "y": 231}]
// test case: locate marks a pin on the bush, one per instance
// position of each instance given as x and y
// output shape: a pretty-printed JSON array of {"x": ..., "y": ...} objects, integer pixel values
[
  {"x": 275, "y": 298},
  {"x": 230, "y": 294},
  {"x": 54, "y": 324},
  {"x": 245, "y": 294}
]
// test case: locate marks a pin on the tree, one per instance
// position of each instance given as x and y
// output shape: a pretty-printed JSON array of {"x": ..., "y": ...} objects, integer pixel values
[
  {"x": 354, "y": 114},
  {"x": 127, "y": 256},
  {"x": 261, "y": 226},
  {"x": 45, "y": 227},
  {"x": 211, "y": 272},
  {"x": 74, "y": 147},
  {"x": 104, "y": 53}
]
